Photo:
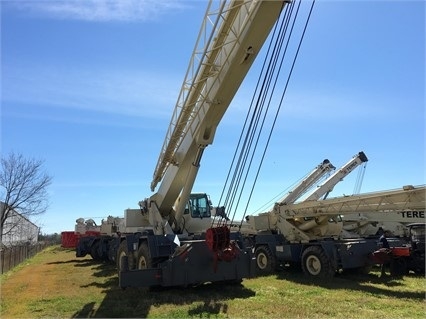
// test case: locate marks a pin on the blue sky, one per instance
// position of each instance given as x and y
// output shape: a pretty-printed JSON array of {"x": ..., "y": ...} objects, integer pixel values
[{"x": 89, "y": 87}]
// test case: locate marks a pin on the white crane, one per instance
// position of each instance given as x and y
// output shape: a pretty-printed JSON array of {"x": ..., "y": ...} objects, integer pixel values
[{"x": 229, "y": 40}]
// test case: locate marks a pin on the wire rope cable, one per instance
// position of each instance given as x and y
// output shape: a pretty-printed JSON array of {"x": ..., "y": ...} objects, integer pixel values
[
  {"x": 279, "y": 105},
  {"x": 242, "y": 145},
  {"x": 360, "y": 178},
  {"x": 259, "y": 108}
]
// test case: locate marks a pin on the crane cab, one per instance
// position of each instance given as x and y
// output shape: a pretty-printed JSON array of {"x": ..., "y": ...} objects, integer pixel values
[
  {"x": 198, "y": 206},
  {"x": 198, "y": 214}
]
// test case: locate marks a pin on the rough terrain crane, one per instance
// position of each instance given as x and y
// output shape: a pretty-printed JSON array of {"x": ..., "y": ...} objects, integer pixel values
[
  {"x": 161, "y": 243},
  {"x": 308, "y": 234},
  {"x": 356, "y": 224},
  {"x": 297, "y": 229},
  {"x": 324, "y": 258},
  {"x": 169, "y": 255}
]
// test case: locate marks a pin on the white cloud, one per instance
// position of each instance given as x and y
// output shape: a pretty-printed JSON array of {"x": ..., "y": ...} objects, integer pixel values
[
  {"x": 117, "y": 92},
  {"x": 315, "y": 105},
  {"x": 99, "y": 10}
]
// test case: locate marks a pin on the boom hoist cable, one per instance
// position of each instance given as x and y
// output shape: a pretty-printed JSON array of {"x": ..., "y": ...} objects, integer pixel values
[
  {"x": 251, "y": 122},
  {"x": 260, "y": 105},
  {"x": 255, "y": 111},
  {"x": 360, "y": 178}
]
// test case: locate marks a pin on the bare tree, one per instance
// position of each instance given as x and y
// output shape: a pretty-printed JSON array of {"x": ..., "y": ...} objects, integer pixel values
[{"x": 23, "y": 191}]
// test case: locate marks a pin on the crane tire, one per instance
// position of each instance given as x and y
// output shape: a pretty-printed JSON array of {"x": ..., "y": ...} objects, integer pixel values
[
  {"x": 315, "y": 263},
  {"x": 94, "y": 251},
  {"x": 143, "y": 260},
  {"x": 123, "y": 251},
  {"x": 265, "y": 260}
]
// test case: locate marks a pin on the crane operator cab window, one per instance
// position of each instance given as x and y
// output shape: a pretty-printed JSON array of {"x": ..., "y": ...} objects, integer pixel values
[{"x": 198, "y": 206}]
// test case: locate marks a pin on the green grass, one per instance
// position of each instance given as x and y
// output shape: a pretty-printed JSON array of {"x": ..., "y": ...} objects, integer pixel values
[{"x": 56, "y": 284}]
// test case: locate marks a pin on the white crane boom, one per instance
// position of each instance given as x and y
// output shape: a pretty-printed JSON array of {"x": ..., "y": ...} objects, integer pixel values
[
  {"x": 406, "y": 199},
  {"x": 338, "y": 176},
  {"x": 312, "y": 218},
  {"x": 228, "y": 42},
  {"x": 405, "y": 216},
  {"x": 315, "y": 219},
  {"x": 312, "y": 178}
]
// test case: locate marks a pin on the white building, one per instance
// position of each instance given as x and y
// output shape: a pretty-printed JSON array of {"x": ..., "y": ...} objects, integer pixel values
[{"x": 18, "y": 230}]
